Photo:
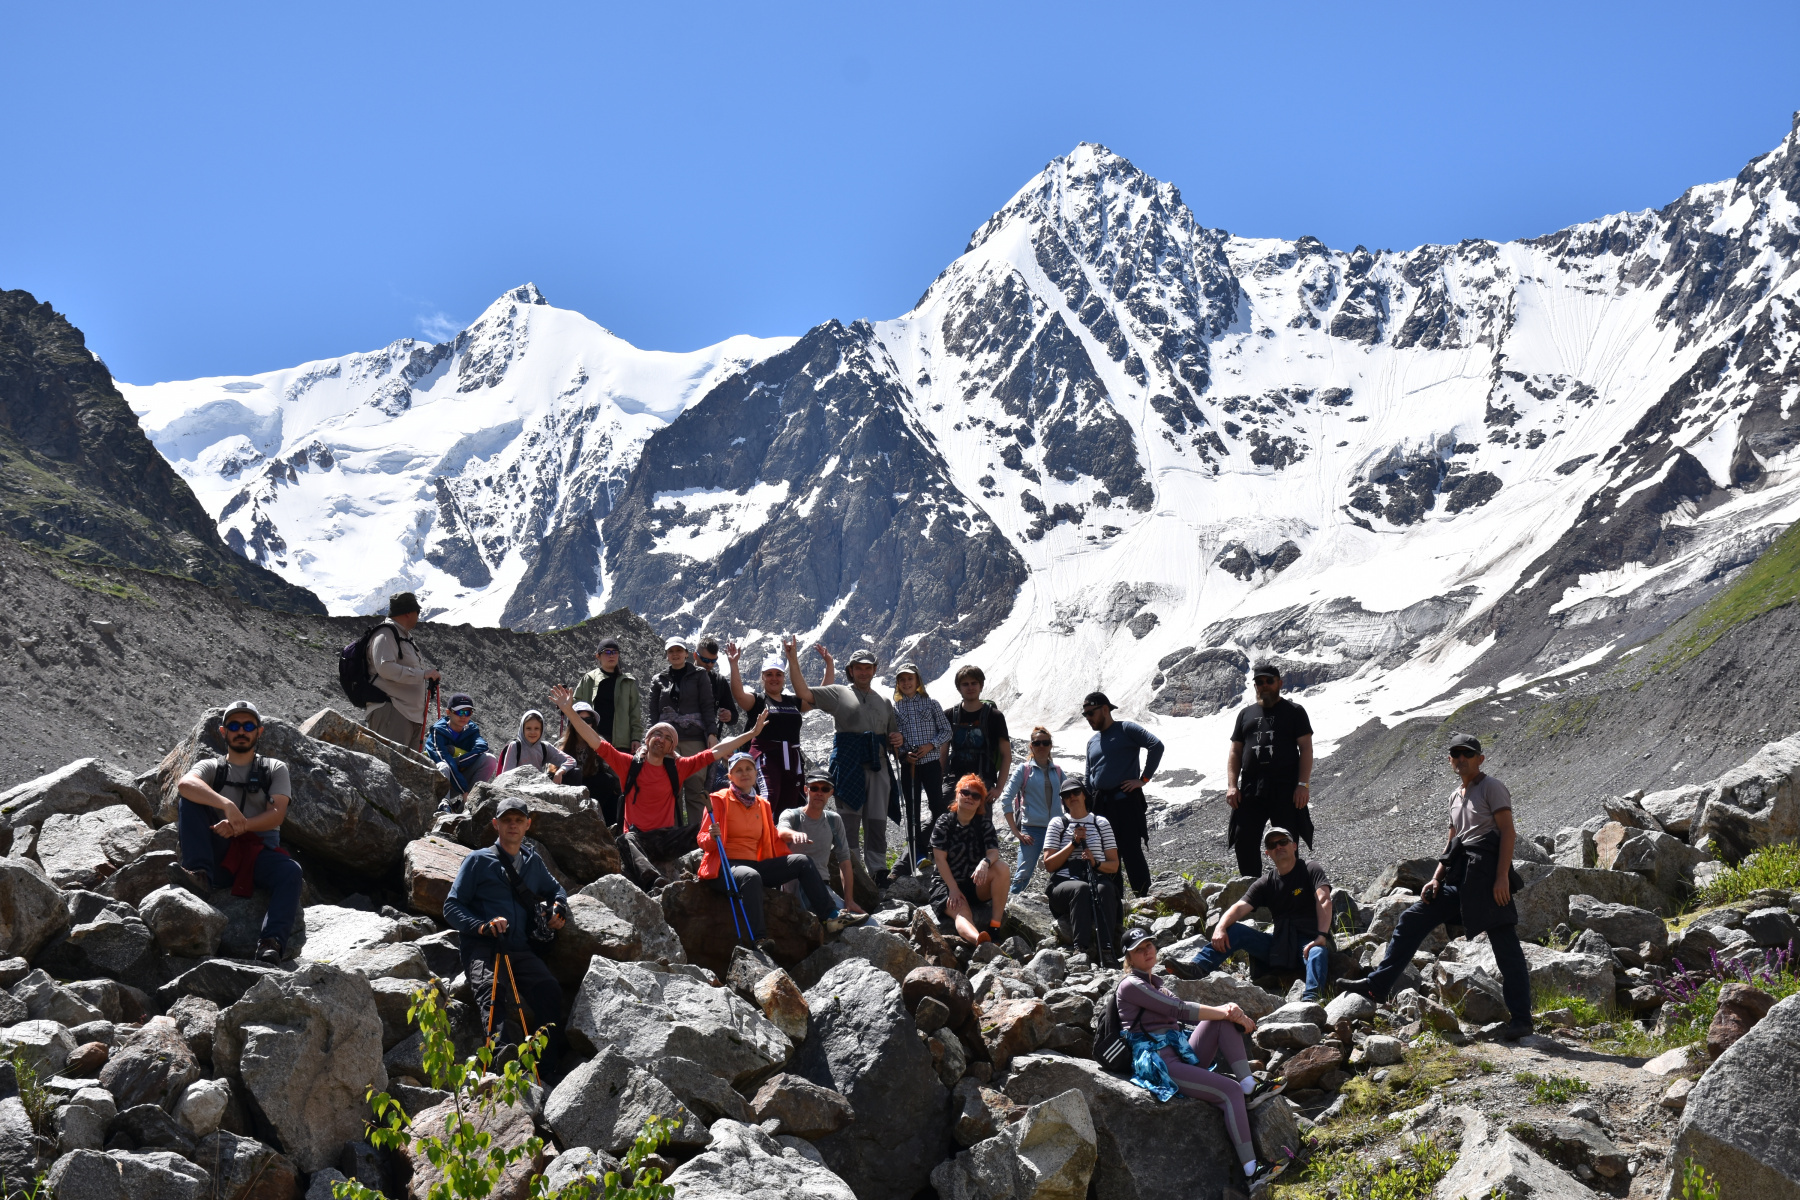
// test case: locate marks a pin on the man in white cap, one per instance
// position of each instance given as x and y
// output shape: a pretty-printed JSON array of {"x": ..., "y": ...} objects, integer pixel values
[
  {"x": 868, "y": 731},
  {"x": 229, "y": 819},
  {"x": 682, "y": 696}
]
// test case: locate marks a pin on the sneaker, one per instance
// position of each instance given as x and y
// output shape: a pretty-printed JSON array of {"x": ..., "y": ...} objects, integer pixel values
[
  {"x": 843, "y": 918},
  {"x": 1266, "y": 1090},
  {"x": 1266, "y": 1174},
  {"x": 984, "y": 936},
  {"x": 269, "y": 951},
  {"x": 193, "y": 881},
  {"x": 1360, "y": 987}
]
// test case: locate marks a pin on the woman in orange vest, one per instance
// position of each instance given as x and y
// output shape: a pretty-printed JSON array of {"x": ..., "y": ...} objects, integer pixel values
[{"x": 758, "y": 853}]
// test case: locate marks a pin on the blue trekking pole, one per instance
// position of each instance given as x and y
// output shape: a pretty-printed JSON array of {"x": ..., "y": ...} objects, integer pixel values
[{"x": 732, "y": 894}]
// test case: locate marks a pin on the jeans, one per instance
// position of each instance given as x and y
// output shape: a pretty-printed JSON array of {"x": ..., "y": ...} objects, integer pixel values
[
  {"x": 777, "y": 871},
  {"x": 542, "y": 995},
  {"x": 204, "y": 850},
  {"x": 1256, "y": 944},
  {"x": 1028, "y": 857},
  {"x": 1417, "y": 922},
  {"x": 1069, "y": 900}
]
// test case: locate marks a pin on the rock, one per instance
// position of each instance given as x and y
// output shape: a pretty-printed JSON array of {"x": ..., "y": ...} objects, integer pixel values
[
  {"x": 333, "y": 931},
  {"x": 1741, "y": 1006},
  {"x": 108, "y": 940},
  {"x": 182, "y": 923},
  {"x": 31, "y": 910},
  {"x": 441, "y": 953},
  {"x": 1667, "y": 862},
  {"x": 1754, "y": 805},
  {"x": 150, "y": 1128},
  {"x": 701, "y": 919},
  {"x": 74, "y": 847},
  {"x": 87, "y": 1060},
  {"x": 307, "y": 1048},
  {"x": 748, "y": 967},
  {"x": 592, "y": 929},
  {"x": 1047, "y": 1154},
  {"x": 647, "y": 1015},
  {"x": 83, "y": 786},
  {"x": 605, "y": 1101},
  {"x": 202, "y": 1105},
  {"x": 1694, "y": 947},
  {"x": 509, "y": 1126},
  {"x": 1574, "y": 1144},
  {"x": 1176, "y": 895},
  {"x": 1408, "y": 875},
  {"x": 1146, "y": 1150},
  {"x": 1274, "y": 1131},
  {"x": 783, "y": 1003},
  {"x": 705, "y": 1094},
  {"x": 46, "y": 1000},
  {"x": 1575, "y": 848},
  {"x": 82, "y": 1123},
  {"x": 141, "y": 876},
  {"x": 412, "y": 770},
  {"x": 1381, "y": 1051},
  {"x": 1051, "y": 966},
  {"x": 393, "y": 997},
  {"x": 1348, "y": 1006},
  {"x": 428, "y": 866},
  {"x": 948, "y": 986},
  {"x": 219, "y": 980},
  {"x": 46, "y": 1045},
  {"x": 1494, "y": 1162},
  {"x": 19, "y": 1144},
  {"x": 348, "y": 809},
  {"x": 93, "y": 1175},
  {"x": 1220, "y": 987},
  {"x": 320, "y": 1184},
  {"x": 1675, "y": 1099},
  {"x": 863, "y": 1044},
  {"x": 1472, "y": 991},
  {"x": 1303, "y": 1011},
  {"x": 931, "y": 1014},
  {"x": 744, "y": 1163},
  {"x": 1385, "y": 913},
  {"x": 1677, "y": 1061},
  {"x": 395, "y": 960},
  {"x": 1772, "y": 927},
  {"x": 1676, "y": 808},
  {"x": 1028, "y": 916},
  {"x": 800, "y": 1107},
  {"x": 1628, "y": 930},
  {"x": 981, "y": 1112},
  {"x": 658, "y": 940},
  {"x": 871, "y": 943},
  {"x": 577, "y": 1162},
  {"x": 1552, "y": 971},
  {"x": 153, "y": 1066},
  {"x": 243, "y": 924},
  {"x": 1287, "y": 1035},
  {"x": 929, "y": 941},
  {"x": 1543, "y": 903},
  {"x": 1014, "y": 1027},
  {"x": 1309, "y": 1066},
  {"x": 564, "y": 818}
]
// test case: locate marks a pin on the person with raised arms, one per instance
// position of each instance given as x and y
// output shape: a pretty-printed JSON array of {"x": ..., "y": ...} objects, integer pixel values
[{"x": 868, "y": 731}]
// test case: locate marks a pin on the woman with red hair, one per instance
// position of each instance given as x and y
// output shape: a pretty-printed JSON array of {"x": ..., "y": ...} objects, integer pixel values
[{"x": 969, "y": 888}]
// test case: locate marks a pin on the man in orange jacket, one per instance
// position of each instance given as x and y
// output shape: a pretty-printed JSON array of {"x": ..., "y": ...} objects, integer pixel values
[{"x": 758, "y": 852}]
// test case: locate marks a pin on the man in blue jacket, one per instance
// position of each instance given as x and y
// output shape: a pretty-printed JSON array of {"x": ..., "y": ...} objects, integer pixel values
[
  {"x": 1116, "y": 782},
  {"x": 487, "y": 906}
]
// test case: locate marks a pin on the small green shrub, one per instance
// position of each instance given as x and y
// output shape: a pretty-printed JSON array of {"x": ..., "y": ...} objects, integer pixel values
[
  {"x": 1776, "y": 866},
  {"x": 40, "y": 1105},
  {"x": 1697, "y": 1183},
  {"x": 1583, "y": 1012},
  {"x": 1409, "y": 1175},
  {"x": 1551, "y": 1089}
]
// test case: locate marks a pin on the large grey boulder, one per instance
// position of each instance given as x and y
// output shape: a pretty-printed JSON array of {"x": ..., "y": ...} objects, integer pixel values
[
  {"x": 563, "y": 817},
  {"x": 1494, "y": 1162},
  {"x": 31, "y": 910},
  {"x": 1552, "y": 971},
  {"x": 334, "y": 932},
  {"x": 1740, "y": 1121},
  {"x": 1624, "y": 926},
  {"x": 46, "y": 1045},
  {"x": 243, "y": 924},
  {"x": 1222, "y": 987},
  {"x": 1144, "y": 1149},
  {"x": 47, "y": 1000},
  {"x": 648, "y": 1014},
  {"x": 182, "y": 923},
  {"x": 744, "y": 1163},
  {"x": 307, "y": 1049},
  {"x": 348, "y": 809},
  {"x": 153, "y": 1066},
  {"x": 243, "y": 1168},
  {"x": 220, "y": 980},
  {"x": 411, "y": 768},
  {"x": 1676, "y": 808},
  {"x": 72, "y": 847},
  {"x": 1543, "y": 903},
  {"x": 592, "y": 929},
  {"x": 118, "y": 1175},
  {"x": 18, "y": 1142},
  {"x": 106, "y": 938},
  {"x": 1754, "y": 805},
  {"x": 657, "y": 939},
  {"x": 871, "y": 943},
  {"x": 605, "y": 1101},
  {"x": 1668, "y": 862},
  {"x": 863, "y": 1044},
  {"x": 82, "y": 786},
  {"x": 1047, "y": 1154},
  {"x": 506, "y": 1125}
]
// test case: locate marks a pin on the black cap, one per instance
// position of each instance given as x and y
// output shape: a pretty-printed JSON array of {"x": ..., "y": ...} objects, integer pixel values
[
  {"x": 460, "y": 700},
  {"x": 1265, "y": 668},
  {"x": 819, "y": 775},
  {"x": 512, "y": 804},
  {"x": 1135, "y": 937},
  {"x": 607, "y": 644},
  {"x": 1096, "y": 700},
  {"x": 1465, "y": 741},
  {"x": 1072, "y": 783},
  {"x": 401, "y": 603}
]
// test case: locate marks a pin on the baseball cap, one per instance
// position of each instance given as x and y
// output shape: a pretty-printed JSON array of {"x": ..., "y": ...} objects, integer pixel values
[
  {"x": 1072, "y": 783},
  {"x": 582, "y": 706},
  {"x": 818, "y": 775},
  {"x": 1465, "y": 741},
  {"x": 674, "y": 642},
  {"x": 862, "y": 656},
  {"x": 1096, "y": 700},
  {"x": 401, "y": 603},
  {"x": 240, "y": 706},
  {"x": 1265, "y": 668},
  {"x": 461, "y": 700},
  {"x": 775, "y": 663},
  {"x": 908, "y": 668},
  {"x": 512, "y": 804},
  {"x": 1136, "y": 937},
  {"x": 1275, "y": 831},
  {"x": 608, "y": 644}
]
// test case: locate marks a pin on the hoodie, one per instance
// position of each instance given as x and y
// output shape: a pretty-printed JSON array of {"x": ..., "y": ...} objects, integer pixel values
[{"x": 544, "y": 756}]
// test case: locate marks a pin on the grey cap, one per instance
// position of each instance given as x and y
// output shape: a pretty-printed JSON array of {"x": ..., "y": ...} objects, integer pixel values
[
  {"x": 1273, "y": 830},
  {"x": 1135, "y": 937},
  {"x": 862, "y": 656},
  {"x": 819, "y": 775},
  {"x": 1072, "y": 783},
  {"x": 512, "y": 804},
  {"x": 238, "y": 706},
  {"x": 608, "y": 644},
  {"x": 906, "y": 668},
  {"x": 1465, "y": 741}
]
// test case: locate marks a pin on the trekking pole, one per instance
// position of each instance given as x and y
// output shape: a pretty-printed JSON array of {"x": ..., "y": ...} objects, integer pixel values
[
  {"x": 1099, "y": 913},
  {"x": 493, "y": 1003},
  {"x": 732, "y": 895}
]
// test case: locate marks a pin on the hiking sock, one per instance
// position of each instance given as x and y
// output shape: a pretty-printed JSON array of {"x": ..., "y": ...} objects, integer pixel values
[
  {"x": 1248, "y": 1083},
  {"x": 1249, "y": 1168}
]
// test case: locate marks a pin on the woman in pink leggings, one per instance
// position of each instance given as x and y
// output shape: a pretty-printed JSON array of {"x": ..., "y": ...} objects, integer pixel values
[{"x": 1167, "y": 1062}]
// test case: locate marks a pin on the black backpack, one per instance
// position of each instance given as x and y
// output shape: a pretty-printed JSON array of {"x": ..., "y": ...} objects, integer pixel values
[
  {"x": 971, "y": 745},
  {"x": 353, "y": 668},
  {"x": 631, "y": 778},
  {"x": 262, "y": 771},
  {"x": 1111, "y": 1050}
]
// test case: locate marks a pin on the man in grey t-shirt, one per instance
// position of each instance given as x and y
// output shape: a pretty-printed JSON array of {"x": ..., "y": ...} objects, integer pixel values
[
  {"x": 868, "y": 731},
  {"x": 229, "y": 821},
  {"x": 824, "y": 830}
]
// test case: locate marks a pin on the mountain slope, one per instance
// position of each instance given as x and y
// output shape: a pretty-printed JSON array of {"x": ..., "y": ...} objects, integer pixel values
[{"x": 78, "y": 476}]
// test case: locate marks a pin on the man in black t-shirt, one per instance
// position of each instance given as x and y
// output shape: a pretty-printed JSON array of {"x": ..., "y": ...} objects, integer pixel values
[
  {"x": 1297, "y": 893},
  {"x": 1268, "y": 774},
  {"x": 969, "y": 886},
  {"x": 979, "y": 741}
]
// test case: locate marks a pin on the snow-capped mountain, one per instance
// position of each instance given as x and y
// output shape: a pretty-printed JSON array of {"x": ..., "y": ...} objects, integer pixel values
[
  {"x": 442, "y": 468},
  {"x": 1109, "y": 447}
]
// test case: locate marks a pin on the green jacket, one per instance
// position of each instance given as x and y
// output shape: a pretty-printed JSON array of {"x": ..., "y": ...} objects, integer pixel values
[{"x": 628, "y": 706}]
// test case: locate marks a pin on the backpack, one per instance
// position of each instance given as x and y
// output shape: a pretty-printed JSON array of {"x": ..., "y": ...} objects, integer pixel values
[
  {"x": 970, "y": 749},
  {"x": 353, "y": 668},
  {"x": 1111, "y": 1050},
  {"x": 261, "y": 773}
]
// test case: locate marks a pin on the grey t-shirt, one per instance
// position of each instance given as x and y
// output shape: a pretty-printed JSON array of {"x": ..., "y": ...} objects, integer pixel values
[
  {"x": 256, "y": 803},
  {"x": 826, "y": 832},
  {"x": 1472, "y": 808},
  {"x": 856, "y": 710}
]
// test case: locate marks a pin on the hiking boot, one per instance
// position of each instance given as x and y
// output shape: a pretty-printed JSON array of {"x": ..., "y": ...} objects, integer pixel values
[
  {"x": 1360, "y": 987},
  {"x": 766, "y": 945},
  {"x": 193, "y": 881},
  {"x": 1266, "y": 1174},
  {"x": 1512, "y": 1031},
  {"x": 269, "y": 951}
]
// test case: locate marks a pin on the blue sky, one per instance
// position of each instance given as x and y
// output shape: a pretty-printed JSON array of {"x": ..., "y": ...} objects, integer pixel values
[{"x": 228, "y": 189}]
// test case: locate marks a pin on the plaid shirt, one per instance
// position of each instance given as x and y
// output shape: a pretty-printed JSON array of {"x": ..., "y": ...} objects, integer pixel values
[{"x": 922, "y": 723}]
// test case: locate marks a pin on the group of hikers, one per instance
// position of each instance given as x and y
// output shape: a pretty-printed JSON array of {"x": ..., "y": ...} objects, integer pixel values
[{"x": 763, "y": 816}]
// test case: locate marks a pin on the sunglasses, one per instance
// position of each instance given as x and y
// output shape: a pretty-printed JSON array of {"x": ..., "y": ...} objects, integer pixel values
[
  {"x": 968, "y": 792},
  {"x": 462, "y": 712},
  {"x": 241, "y": 726},
  {"x": 1041, "y": 742},
  {"x": 818, "y": 787},
  {"x": 609, "y": 653},
  {"x": 1278, "y": 845},
  {"x": 1459, "y": 752}
]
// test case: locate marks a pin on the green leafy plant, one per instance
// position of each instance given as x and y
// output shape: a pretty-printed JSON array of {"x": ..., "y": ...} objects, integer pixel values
[
  {"x": 40, "y": 1105},
  {"x": 1697, "y": 1183},
  {"x": 1776, "y": 866},
  {"x": 1349, "y": 1175},
  {"x": 465, "y": 1155},
  {"x": 1551, "y": 1089},
  {"x": 1582, "y": 1011}
]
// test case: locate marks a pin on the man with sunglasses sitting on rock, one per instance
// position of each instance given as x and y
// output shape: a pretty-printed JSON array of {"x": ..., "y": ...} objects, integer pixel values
[
  {"x": 824, "y": 831},
  {"x": 1473, "y": 887},
  {"x": 1297, "y": 893},
  {"x": 229, "y": 821}
]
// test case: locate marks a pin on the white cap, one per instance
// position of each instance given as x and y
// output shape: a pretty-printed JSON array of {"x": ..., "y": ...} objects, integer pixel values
[
  {"x": 674, "y": 642},
  {"x": 775, "y": 663}
]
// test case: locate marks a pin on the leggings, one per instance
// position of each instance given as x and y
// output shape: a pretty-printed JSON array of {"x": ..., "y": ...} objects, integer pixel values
[{"x": 1209, "y": 1040}]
